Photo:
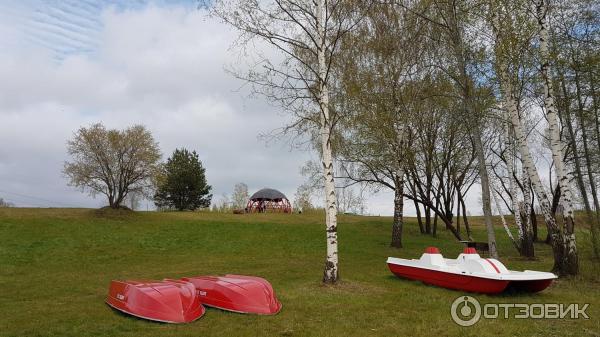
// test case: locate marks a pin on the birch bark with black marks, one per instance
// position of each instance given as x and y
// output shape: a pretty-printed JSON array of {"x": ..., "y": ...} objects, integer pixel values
[
  {"x": 330, "y": 274},
  {"x": 558, "y": 239},
  {"x": 510, "y": 163},
  {"x": 532, "y": 172},
  {"x": 569, "y": 264},
  {"x": 527, "y": 247},
  {"x": 503, "y": 219}
]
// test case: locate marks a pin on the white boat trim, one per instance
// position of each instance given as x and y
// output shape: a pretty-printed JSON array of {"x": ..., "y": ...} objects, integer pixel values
[{"x": 152, "y": 319}]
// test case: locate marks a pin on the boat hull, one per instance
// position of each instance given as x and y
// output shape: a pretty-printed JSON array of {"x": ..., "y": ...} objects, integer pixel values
[
  {"x": 162, "y": 301},
  {"x": 237, "y": 293},
  {"x": 449, "y": 280}
]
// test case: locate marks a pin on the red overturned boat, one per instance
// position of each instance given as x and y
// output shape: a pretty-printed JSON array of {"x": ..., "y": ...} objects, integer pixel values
[
  {"x": 168, "y": 301},
  {"x": 469, "y": 272},
  {"x": 237, "y": 293}
]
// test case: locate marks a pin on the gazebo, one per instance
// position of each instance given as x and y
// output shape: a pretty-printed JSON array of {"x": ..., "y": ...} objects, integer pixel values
[{"x": 268, "y": 200}]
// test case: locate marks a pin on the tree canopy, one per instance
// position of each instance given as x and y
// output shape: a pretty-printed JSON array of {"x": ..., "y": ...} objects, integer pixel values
[
  {"x": 181, "y": 183},
  {"x": 112, "y": 162}
]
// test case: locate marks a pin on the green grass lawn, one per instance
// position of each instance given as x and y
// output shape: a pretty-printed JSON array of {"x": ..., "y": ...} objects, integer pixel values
[{"x": 56, "y": 265}]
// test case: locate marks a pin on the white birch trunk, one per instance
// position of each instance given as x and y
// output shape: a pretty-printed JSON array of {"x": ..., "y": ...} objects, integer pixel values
[
  {"x": 532, "y": 171},
  {"x": 521, "y": 142},
  {"x": 527, "y": 248},
  {"x": 526, "y": 202},
  {"x": 510, "y": 163},
  {"x": 570, "y": 263},
  {"x": 499, "y": 210},
  {"x": 330, "y": 274},
  {"x": 523, "y": 147}
]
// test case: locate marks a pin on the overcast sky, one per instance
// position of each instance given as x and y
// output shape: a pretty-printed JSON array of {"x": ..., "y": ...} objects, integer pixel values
[{"x": 71, "y": 63}]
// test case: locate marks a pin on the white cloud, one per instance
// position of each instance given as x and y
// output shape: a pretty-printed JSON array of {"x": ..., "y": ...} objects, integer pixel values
[
  {"x": 161, "y": 66},
  {"x": 158, "y": 66}
]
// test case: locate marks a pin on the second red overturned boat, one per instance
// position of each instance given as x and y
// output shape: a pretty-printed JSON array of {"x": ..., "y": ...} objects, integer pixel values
[
  {"x": 168, "y": 301},
  {"x": 237, "y": 293},
  {"x": 469, "y": 272}
]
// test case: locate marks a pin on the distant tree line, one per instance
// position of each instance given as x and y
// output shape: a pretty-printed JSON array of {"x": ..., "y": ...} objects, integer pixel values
[{"x": 4, "y": 203}]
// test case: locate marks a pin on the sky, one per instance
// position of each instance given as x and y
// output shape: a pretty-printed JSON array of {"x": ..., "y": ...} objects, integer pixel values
[{"x": 71, "y": 63}]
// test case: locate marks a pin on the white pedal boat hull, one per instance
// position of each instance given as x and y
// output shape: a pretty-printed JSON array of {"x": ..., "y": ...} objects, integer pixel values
[{"x": 469, "y": 272}]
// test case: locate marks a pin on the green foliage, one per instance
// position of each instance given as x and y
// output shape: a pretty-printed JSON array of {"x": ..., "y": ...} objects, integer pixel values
[{"x": 181, "y": 184}]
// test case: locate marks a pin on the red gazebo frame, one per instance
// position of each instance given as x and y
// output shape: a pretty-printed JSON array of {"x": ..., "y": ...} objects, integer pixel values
[{"x": 269, "y": 206}]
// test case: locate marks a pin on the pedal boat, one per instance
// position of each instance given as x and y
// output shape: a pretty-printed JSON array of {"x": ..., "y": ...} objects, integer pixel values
[
  {"x": 469, "y": 272},
  {"x": 237, "y": 293},
  {"x": 168, "y": 301}
]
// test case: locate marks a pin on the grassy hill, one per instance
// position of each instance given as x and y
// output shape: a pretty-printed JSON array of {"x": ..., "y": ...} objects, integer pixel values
[{"x": 56, "y": 264}]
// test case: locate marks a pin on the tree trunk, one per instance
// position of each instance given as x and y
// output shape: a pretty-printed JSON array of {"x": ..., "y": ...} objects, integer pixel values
[
  {"x": 504, "y": 224},
  {"x": 399, "y": 188},
  {"x": 465, "y": 85},
  {"x": 569, "y": 263},
  {"x": 465, "y": 219},
  {"x": 458, "y": 210},
  {"x": 595, "y": 224},
  {"x": 419, "y": 218},
  {"x": 506, "y": 90},
  {"x": 573, "y": 143},
  {"x": 510, "y": 163},
  {"x": 528, "y": 218},
  {"x": 534, "y": 223},
  {"x": 528, "y": 164},
  {"x": 330, "y": 274},
  {"x": 596, "y": 106},
  {"x": 588, "y": 164},
  {"x": 485, "y": 192},
  {"x": 398, "y": 212},
  {"x": 435, "y": 218},
  {"x": 427, "y": 220},
  {"x": 543, "y": 199},
  {"x": 579, "y": 178}
]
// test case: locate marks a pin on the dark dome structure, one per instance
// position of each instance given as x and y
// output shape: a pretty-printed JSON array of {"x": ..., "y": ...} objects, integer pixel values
[{"x": 268, "y": 200}]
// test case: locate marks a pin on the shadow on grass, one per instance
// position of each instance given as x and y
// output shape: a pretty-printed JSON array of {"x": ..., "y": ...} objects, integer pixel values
[
  {"x": 121, "y": 213},
  {"x": 510, "y": 291}
]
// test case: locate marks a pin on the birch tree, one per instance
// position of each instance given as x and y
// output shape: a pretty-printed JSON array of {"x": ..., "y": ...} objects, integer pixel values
[
  {"x": 569, "y": 264},
  {"x": 296, "y": 74},
  {"x": 504, "y": 18},
  {"x": 575, "y": 42}
]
